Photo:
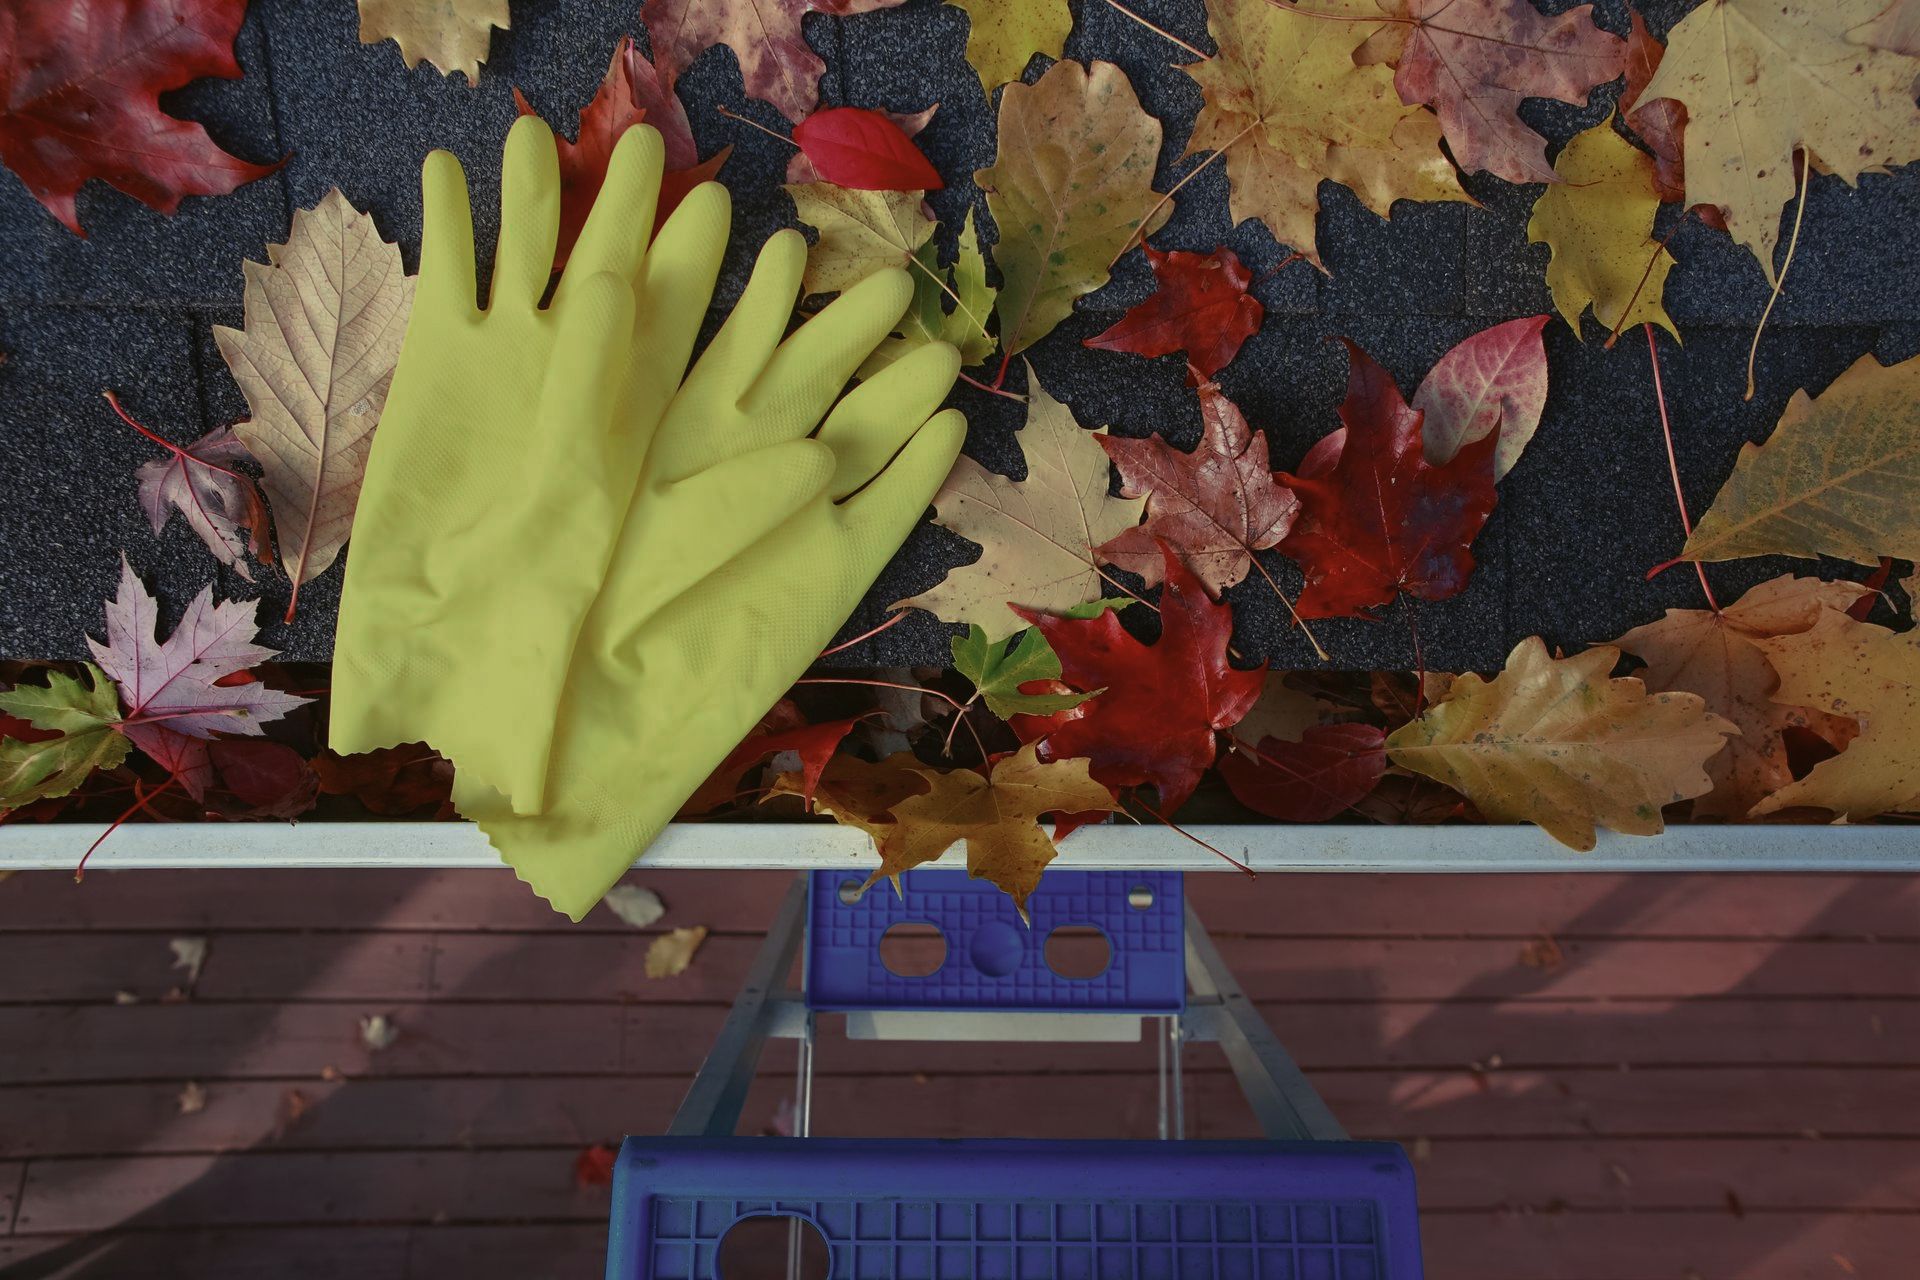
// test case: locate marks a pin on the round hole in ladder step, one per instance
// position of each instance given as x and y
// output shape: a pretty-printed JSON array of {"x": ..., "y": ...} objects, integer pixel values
[
  {"x": 756, "y": 1249},
  {"x": 913, "y": 949},
  {"x": 1078, "y": 951},
  {"x": 849, "y": 892},
  {"x": 1140, "y": 897}
]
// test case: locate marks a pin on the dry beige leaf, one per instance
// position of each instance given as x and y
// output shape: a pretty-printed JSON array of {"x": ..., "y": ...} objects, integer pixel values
[
  {"x": 451, "y": 34},
  {"x": 192, "y": 1099},
  {"x": 324, "y": 319},
  {"x": 1282, "y": 712},
  {"x": 189, "y": 954},
  {"x": 377, "y": 1031},
  {"x": 636, "y": 906},
  {"x": 1838, "y": 477},
  {"x": 1554, "y": 741},
  {"x": 1867, "y": 672},
  {"x": 860, "y": 232},
  {"x": 1761, "y": 79},
  {"x": 1723, "y": 657},
  {"x": 671, "y": 953},
  {"x": 1037, "y": 536}
]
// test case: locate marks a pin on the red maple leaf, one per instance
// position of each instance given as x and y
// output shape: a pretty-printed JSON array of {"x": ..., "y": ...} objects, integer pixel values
[
  {"x": 632, "y": 92},
  {"x": 1155, "y": 723},
  {"x": 864, "y": 151},
  {"x": 1214, "y": 507},
  {"x": 1200, "y": 306},
  {"x": 593, "y": 1167},
  {"x": 80, "y": 87},
  {"x": 390, "y": 781},
  {"x": 1376, "y": 517},
  {"x": 269, "y": 779},
  {"x": 1332, "y": 768},
  {"x": 814, "y": 743}
]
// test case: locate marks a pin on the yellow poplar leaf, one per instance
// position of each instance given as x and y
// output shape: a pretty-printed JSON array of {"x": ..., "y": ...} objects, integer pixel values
[
  {"x": 998, "y": 817},
  {"x": 324, "y": 319},
  {"x": 1069, "y": 187},
  {"x": 669, "y": 954},
  {"x": 1005, "y": 34},
  {"x": 1872, "y": 674},
  {"x": 1287, "y": 105},
  {"x": 1763, "y": 78},
  {"x": 1839, "y": 476},
  {"x": 1599, "y": 224},
  {"x": 451, "y": 34},
  {"x": 1037, "y": 536},
  {"x": 860, "y": 232},
  {"x": 1555, "y": 742},
  {"x": 1724, "y": 658}
]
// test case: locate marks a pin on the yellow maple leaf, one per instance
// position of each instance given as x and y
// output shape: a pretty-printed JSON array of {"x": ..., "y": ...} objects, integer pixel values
[
  {"x": 1555, "y": 742},
  {"x": 1724, "y": 658},
  {"x": 1838, "y": 477},
  {"x": 997, "y": 816},
  {"x": 324, "y": 318},
  {"x": 1037, "y": 536},
  {"x": 451, "y": 34},
  {"x": 860, "y": 232},
  {"x": 1068, "y": 189},
  {"x": 1761, "y": 79},
  {"x": 1599, "y": 224},
  {"x": 1003, "y": 35},
  {"x": 1869, "y": 673},
  {"x": 1287, "y": 105}
]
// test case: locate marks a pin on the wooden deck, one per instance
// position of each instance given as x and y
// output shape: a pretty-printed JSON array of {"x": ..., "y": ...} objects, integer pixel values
[{"x": 1695, "y": 1078}]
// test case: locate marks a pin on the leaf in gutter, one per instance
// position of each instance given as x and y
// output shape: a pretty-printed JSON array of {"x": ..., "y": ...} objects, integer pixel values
[{"x": 79, "y": 734}]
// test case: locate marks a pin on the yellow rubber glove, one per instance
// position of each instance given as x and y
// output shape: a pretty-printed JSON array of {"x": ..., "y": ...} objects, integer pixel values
[
  {"x": 665, "y": 682},
  {"x": 498, "y": 480}
]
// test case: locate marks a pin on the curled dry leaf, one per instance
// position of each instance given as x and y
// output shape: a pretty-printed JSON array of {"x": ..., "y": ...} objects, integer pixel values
[
  {"x": 221, "y": 505},
  {"x": 1761, "y": 80},
  {"x": 1724, "y": 658},
  {"x": 1199, "y": 305},
  {"x": 1495, "y": 380},
  {"x": 1068, "y": 189},
  {"x": 1003, "y": 35},
  {"x": 1557, "y": 742},
  {"x": 1599, "y": 225},
  {"x": 378, "y": 1031},
  {"x": 451, "y": 34},
  {"x": 1838, "y": 476},
  {"x": 1037, "y": 536},
  {"x": 80, "y": 87},
  {"x": 636, "y": 906},
  {"x": 669, "y": 954},
  {"x": 324, "y": 319},
  {"x": 1214, "y": 507},
  {"x": 189, "y": 954}
]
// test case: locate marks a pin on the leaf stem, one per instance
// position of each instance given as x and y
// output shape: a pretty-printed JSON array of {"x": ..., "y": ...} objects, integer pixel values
[
  {"x": 1780, "y": 281},
  {"x": 140, "y": 801},
  {"x": 1384, "y": 19},
  {"x": 1177, "y": 829},
  {"x": 1645, "y": 276},
  {"x": 1140, "y": 231},
  {"x": 978, "y": 385},
  {"x": 1298, "y": 621},
  {"x": 864, "y": 635},
  {"x": 755, "y": 124},
  {"x": 1673, "y": 463},
  {"x": 1162, "y": 32}
]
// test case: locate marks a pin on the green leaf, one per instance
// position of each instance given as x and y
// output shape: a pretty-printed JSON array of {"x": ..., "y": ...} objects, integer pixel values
[
  {"x": 85, "y": 718},
  {"x": 928, "y": 320},
  {"x": 998, "y": 670}
]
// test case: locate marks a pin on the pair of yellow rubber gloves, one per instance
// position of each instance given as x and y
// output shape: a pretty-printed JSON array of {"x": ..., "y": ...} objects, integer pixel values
[{"x": 583, "y": 571}]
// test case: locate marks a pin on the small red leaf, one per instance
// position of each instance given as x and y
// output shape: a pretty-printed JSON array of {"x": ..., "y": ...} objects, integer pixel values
[
  {"x": 815, "y": 744},
  {"x": 1200, "y": 306},
  {"x": 1492, "y": 383},
  {"x": 1376, "y": 517},
  {"x": 1332, "y": 768},
  {"x": 593, "y": 1167},
  {"x": 864, "y": 151},
  {"x": 392, "y": 781},
  {"x": 270, "y": 778},
  {"x": 1156, "y": 721}
]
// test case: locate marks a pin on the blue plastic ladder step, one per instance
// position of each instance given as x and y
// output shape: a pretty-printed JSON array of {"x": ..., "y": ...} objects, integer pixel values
[
  {"x": 993, "y": 959},
  {"x": 918, "y": 1209}
]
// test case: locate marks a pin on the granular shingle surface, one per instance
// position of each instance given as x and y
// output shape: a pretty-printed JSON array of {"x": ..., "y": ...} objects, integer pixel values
[{"x": 1579, "y": 521}]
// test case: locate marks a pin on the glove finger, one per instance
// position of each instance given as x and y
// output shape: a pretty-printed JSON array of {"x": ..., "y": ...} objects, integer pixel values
[
  {"x": 868, "y": 427},
  {"x": 675, "y": 289},
  {"x": 621, "y": 221},
  {"x": 529, "y": 215},
  {"x": 742, "y": 499},
  {"x": 881, "y": 515},
  {"x": 446, "y": 236},
  {"x": 736, "y": 356},
  {"x": 800, "y": 382}
]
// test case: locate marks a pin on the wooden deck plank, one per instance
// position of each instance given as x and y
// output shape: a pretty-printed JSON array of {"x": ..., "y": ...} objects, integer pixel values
[
  {"x": 302, "y": 1188},
  {"x": 295, "y": 1253},
  {"x": 12, "y": 1174},
  {"x": 235, "y": 1041},
  {"x": 1774, "y": 906},
  {"x": 101, "y": 1120}
]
